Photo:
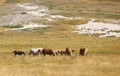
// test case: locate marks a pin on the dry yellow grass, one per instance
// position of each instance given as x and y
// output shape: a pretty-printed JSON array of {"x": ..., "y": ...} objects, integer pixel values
[
  {"x": 2, "y": 1},
  {"x": 102, "y": 60},
  {"x": 92, "y": 65},
  {"x": 3, "y": 29}
]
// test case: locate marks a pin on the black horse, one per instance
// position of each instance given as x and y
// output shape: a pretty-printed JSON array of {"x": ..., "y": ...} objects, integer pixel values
[{"x": 18, "y": 52}]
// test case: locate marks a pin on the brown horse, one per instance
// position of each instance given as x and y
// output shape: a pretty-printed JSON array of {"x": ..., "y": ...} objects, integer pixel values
[
  {"x": 83, "y": 51},
  {"x": 69, "y": 51},
  {"x": 48, "y": 51},
  {"x": 63, "y": 53}
]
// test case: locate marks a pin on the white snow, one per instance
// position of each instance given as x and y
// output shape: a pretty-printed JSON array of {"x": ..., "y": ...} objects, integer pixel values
[
  {"x": 58, "y": 16},
  {"x": 30, "y": 26},
  {"x": 113, "y": 34},
  {"x": 42, "y": 12},
  {"x": 63, "y": 17},
  {"x": 36, "y": 13},
  {"x": 35, "y": 10},
  {"x": 100, "y": 28},
  {"x": 27, "y": 6}
]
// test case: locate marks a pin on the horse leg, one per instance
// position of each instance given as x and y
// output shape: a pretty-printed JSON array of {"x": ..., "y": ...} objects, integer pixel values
[
  {"x": 30, "y": 53},
  {"x": 50, "y": 54},
  {"x": 23, "y": 53},
  {"x": 44, "y": 54}
]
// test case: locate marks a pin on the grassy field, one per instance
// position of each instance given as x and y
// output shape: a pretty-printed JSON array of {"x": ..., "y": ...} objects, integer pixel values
[
  {"x": 85, "y": 8},
  {"x": 104, "y": 53},
  {"x": 102, "y": 60}
]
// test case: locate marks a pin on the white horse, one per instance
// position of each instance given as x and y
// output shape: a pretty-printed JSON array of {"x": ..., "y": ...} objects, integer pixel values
[
  {"x": 57, "y": 52},
  {"x": 35, "y": 51}
]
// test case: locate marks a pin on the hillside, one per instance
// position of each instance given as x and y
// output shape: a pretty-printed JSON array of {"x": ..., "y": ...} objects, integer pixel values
[{"x": 13, "y": 1}]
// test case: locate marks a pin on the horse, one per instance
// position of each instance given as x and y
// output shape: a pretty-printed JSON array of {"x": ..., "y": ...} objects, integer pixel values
[
  {"x": 57, "y": 52},
  {"x": 69, "y": 51},
  {"x": 48, "y": 51},
  {"x": 35, "y": 51},
  {"x": 83, "y": 51},
  {"x": 63, "y": 52},
  {"x": 18, "y": 52}
]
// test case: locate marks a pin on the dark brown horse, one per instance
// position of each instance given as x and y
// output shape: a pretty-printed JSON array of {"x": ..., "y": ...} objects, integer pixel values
[
  {"x": 69, "y": 51},
  {"x": 48, "y": 51},
  {"x": 83, "y": 51},
  {"x": 18, "y": 52}
]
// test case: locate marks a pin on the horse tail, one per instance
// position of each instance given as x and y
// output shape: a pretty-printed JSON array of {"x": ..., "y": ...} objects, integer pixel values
[{"x": 30, "y": 52}]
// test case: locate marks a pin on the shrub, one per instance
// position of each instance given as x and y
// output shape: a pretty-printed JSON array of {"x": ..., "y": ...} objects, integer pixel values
[{"x": 12, "y": 26}]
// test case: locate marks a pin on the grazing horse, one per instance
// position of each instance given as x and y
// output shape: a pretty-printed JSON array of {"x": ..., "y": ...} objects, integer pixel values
[
  {"x": 69, "y": 51},
  {"x": 18, "y": 52},
  {"x": 83, "y": 51},
  {"x": 48, "y": 51},
  {"x": 35, "y": 51},
  {"x": 57, "y": 52},
  {"x": 63, "y": 52}
]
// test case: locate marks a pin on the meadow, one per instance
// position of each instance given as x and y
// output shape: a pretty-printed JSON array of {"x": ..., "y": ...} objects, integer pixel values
[
  {"x": 103, "y": 58},
  {"x": 108, "y": 9}
]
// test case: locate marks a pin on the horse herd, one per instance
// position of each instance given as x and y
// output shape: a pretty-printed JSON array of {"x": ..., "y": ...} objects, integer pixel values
[{"x": 49, "y": 51}]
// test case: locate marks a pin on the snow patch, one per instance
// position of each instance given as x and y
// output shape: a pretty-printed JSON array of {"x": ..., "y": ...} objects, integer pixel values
[
  {"x": 27, "y": 6},
  {"x": 30, "y": 26},
  {"x": 42, "y": 11},
  {"x": 58, "y": 16},
  {"x": 34, "y": 9},
  {"x": 36, "y": 13},
  {"x": 106, "y": 29}
]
